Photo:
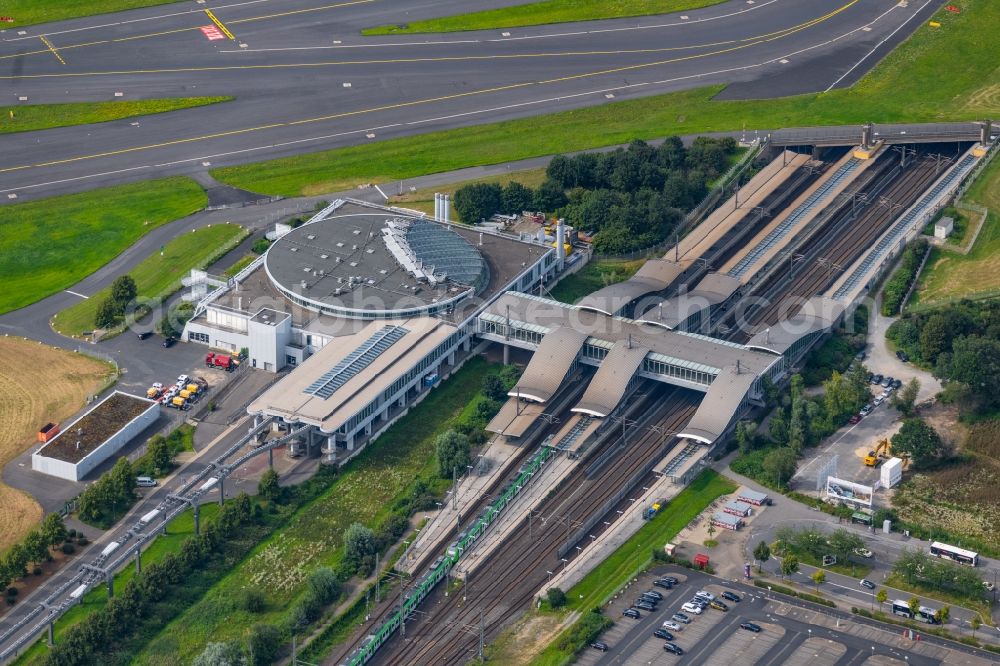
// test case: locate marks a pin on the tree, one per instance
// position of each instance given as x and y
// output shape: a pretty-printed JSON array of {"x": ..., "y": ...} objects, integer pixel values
[
  {"x": 221, "y": 654},
  {"x": 359, "y": 542},
  {"x": 54, "y": 529},
  {"x": 323, "y": 584},
  {"x": 159, "y": 452},
  {"x": 778, "y": 426},
  {"x": 452, "y": 450},
  {"x": 122, "y": 481},
  {"x": 711, "y": 530},
  {"x": 550, "y": 196},
  {"x": 943, "y": 614},
  {"x": 745, "y": 434},
  {"x": 36, "y": 547},
  {"x": 913, "y": 603},
  {"x": 919, "y": 441},
  {"x": 904, "y": 400},
  {"x": 818, "y": 577},
  {"x": 556, "y": 597},
  {"x": 762, "y": 553},
  {"x": 263, "y": 642},
  {"x": 477, "y": 201},
  {"x": 789, "y": 565},
  {"x": 493, "y": 388},
  {"x": 123, "y": 292},
  {"x": 975, "y": 623},
  {"x": 843, "y": 543},
  {"x": 171, "y": 324},
  {"x": 881, "y": 597},
  {"x": 260, "y": 246},
  {"x": 516, "y": 198},
  {"x": 106, "y": 315},
  {"x": 935, "y": 337},
  {"x": 268, "y": 487},
  {"x": 779, "y": 465}
]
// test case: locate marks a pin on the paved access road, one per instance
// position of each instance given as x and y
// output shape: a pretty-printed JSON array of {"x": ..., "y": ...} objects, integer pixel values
[{"x": 305, "y": 79}]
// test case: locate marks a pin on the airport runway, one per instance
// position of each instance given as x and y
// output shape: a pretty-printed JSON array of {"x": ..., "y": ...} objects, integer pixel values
[{"x": 305, "y": 80}]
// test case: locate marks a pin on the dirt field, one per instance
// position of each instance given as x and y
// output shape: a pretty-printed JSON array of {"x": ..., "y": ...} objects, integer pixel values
[{"x": 37, "y": 384}]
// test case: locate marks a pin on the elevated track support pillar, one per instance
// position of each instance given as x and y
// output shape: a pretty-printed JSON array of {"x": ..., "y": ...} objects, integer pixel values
[{"x": 138, "y": 555}]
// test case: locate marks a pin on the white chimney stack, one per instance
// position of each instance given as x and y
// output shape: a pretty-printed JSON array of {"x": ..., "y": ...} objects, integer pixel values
[
  {"x": 561, "y": 242},
  {"x": 437, "y": 206},
  {"x": 445, "y": 208}
]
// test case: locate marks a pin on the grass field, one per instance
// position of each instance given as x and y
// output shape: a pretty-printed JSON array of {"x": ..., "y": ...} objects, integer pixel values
[
  {"x": 909, "y": 85},
  {"x": 363, "y": 492},
  {"x": 539, "y": 13},
  {"x": 158, "y": 275},
  {"x": 30, "y": 12},
  {"x": 177, "y": 532},
  {"x": 45, "y": 116},
  {"x": 598, "y": 273},
  {"x": 38, "y": 384},
  {"x": 52, "y": 244},
  {"x": 423, "y": 200},
  {"x": 950, "y": 275}
]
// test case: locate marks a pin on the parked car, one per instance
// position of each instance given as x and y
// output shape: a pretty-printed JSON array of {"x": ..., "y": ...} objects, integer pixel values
[
  {"x": 704, "y": 594},
  {"x": 142, "y": 335},
  {"x": 145, "y": 482},
  {"x": 632, "y": 613},
  {"x": 664, "y": 634},
  {"x": 169, "y": 342},
  {"x": 878, "y": 401},
  {"x": 673, "y": 648},
  {"x": 680, "y": 617},
  {"x": 877, "y": 379},
  {"x": 653, "y": 593},
  {"x": 599, "y": 645},
  {"x": 902, "y": 356},
  {"x": 673, "y": 626},
  {"x": 731, "y": 596},
  {"x": 691, "y": 608},
  {"x": 896, "y": 383},
  {"x": 867, "y": 584},
  {"x": 862, "y": 552},
  {"x": 664, "y": 583},
  {"x": 988, "y": 585},
  {"x": 886, "y": 381},
  {"x": 866, "y": 410},
  {"x": 855, "y": 420},
  {"x": 644, "y": 605},
  {"x": 860, "y": 356},
  {"x": 750, "y": 626},
  {"x": 718, "y": 605}
]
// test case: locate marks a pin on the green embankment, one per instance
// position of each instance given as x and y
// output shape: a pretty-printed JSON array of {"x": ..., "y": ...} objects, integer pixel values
[
  {"x": 158, "y": 275},
  {"x": 46, "y": 116},
  {"x": 364, "y": 492},
  {"x": 52, "y": 244},
  {"x": 540, "y": 13},
  {"x": 30, "y": 12},
  {"x": 595, "y": 275},
  {"x": 946, "y": 73}
]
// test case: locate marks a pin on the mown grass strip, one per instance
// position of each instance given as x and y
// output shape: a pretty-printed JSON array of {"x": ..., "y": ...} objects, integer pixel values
[
  {"x": 909, "y": 85},
  {"x": 30, "y": 12},
  {"x": 52, "y": 244},
  {"x": 46, "y": 116},
  {"x": 541, "y": 13},
  {"x": 158, "y": 275}
]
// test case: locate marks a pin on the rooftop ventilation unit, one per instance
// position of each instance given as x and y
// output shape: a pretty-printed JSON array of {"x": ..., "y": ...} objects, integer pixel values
[
  {"x": 311, "y": 237},
  {"x": 357, "y": 231},
  {"x": 295, "y": 249},
  {"x": 354, "y": 264},
  {"x": 324, "y": 256},
  {"x": 339, "y": 244}
]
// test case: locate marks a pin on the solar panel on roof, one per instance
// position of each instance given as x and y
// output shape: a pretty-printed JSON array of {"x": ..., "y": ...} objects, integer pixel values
[{"x": 356, "y": 361}]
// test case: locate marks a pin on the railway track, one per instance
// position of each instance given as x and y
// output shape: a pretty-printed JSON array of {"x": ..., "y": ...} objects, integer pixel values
[{"x": 445, "y": 635}]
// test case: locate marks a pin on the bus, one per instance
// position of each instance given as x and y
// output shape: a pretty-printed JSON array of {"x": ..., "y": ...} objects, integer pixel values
[
  {"x": 923, "y": 614},
  {"x": 954, "y": 554}
]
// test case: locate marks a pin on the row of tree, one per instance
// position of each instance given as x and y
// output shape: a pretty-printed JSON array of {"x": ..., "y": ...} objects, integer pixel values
[
  {"x": 105, "y": 500},
  {"x": 918, "y": 568},
  {"x": 899, "y": 283},
  {"x": 814, "y": 543},
  {"x": 481, "y": 201},
  {"x": 34, "y": 548},
  {"x": 96, "y": 638}
]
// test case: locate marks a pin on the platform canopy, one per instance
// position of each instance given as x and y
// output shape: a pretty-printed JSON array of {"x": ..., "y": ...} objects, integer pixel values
[
  {"x": 550, "y": 364},
  {"x": 655, "y": 275}
]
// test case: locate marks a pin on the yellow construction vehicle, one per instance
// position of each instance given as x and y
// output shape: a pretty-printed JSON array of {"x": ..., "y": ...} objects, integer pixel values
[{"x": 880, "y": 453}]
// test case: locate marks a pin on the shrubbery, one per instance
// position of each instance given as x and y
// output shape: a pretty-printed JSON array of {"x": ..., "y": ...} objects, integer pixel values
[
  {"x": 896, "y": 286},
  {"x": 34, "y": 548},
  {"x": 108, "y": 498},
  {"x": 584, "y": 631}
]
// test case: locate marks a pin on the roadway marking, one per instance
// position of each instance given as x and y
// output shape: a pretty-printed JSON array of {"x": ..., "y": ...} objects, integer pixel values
[
  {"x": 212, "y": 33},
  {"x": 52, "y": 49},
  {"x": 76, "y": 294},
  {"x": 409, "y": 104},
  {"x": 219, "y": 24}
]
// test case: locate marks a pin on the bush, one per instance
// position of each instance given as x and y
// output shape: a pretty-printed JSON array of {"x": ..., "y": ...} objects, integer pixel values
[
  {"x": 263, "y": 644},
  {"x": 68, "y": 548},
  {"x": 82, "y": 540},
  {"x": 37, "y": 571},
  {"x": 253, "y": 600},
  {"x": 12, "y": 591},
  {"x": 897, "y": 285},
  {"x": 556, "y": 597},
  {"x": 584, "y": 631},
  {"x": 323, "y": 585},
  {"x": 260, "y": 246}
]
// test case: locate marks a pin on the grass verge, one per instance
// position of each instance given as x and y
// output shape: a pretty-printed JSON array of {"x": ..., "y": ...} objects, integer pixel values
[
  {"x": 177, "y": 532},
  {"x": 781, "y": 589},
  {"x": 933, "y": 594},
  {"x": 30, "y": 12},
  {"x": 949, "y": 275},
  {"x": 909, "y": 85},
  {"x": 52, "y": 244},
  {"x": 158, "y": 275},
  {"x": 46, "y": 116},
  {"x": 541, "y": 13},
  {"x": 595, "y": 275},
  {"x": 364, "y": 492}
]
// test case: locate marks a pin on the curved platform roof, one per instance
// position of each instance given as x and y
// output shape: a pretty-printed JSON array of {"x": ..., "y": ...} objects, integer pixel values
[
  {"x": 655, "y": 275},
  {"x": 611, "y": 381},
  {"x": 550, "y": 364},
  {"x": 817, "y": 314},
  {"x": 720, "y": 404},
  {"x": 715, "y": 288}
]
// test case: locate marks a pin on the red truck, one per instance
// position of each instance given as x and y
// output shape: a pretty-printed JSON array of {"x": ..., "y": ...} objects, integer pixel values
[{"x": 224, "y": 361}]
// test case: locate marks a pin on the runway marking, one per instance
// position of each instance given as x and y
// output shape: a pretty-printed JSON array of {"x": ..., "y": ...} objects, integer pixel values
[
  {"x": 219, "y": 24},
  {"x": 52, "y": 49},
  {"x": 414, "y": 103},
  {"x": 76, "y": 294},
  {"x": 212, "y": 33},
  {"x": 180, "y": 30}
]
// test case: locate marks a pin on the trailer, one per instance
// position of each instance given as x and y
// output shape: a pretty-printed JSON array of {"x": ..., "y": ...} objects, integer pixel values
[{"x": 47, "y": 432}]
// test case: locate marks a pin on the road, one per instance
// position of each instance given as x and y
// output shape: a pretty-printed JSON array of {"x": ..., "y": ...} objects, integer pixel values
[{"x": 304, "y": 79}]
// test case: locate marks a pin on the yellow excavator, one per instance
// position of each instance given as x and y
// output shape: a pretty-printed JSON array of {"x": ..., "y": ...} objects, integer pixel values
[{"x": 880, "y": 453}]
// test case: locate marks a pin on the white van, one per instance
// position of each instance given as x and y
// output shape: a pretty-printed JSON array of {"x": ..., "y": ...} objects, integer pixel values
[{"x": 145, "y": 482}]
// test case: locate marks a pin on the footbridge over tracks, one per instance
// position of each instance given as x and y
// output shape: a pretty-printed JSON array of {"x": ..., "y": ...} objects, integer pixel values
[
  {"x": 850, "y": 135},
  {"x": 625, "y": 350}
]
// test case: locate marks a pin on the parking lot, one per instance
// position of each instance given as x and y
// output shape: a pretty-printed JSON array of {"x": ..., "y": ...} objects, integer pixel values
[{"x": 790, "y": 635}]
